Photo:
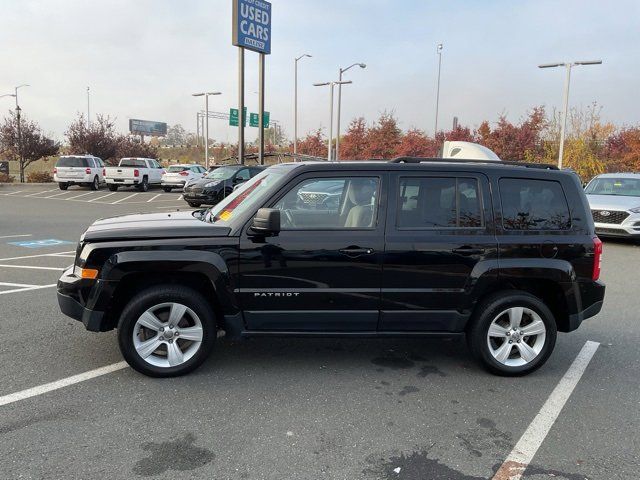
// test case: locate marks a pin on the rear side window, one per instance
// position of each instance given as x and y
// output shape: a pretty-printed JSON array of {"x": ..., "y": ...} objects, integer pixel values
[
  {"x": 434, "y": 202},
  {"x": 72, "y": 162},
  {"x": 533, "y": 205}
]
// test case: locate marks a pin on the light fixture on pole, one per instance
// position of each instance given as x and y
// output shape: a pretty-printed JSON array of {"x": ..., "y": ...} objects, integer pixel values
[
  {"x": 439, "y": 51},
  {"x": 563, "y": 126},
  {"x": 295, "y": 102},
  {"x": 206, "y": 129},
  {"x": 331, "y": 85},
  {"x": 342, "y": 70}
]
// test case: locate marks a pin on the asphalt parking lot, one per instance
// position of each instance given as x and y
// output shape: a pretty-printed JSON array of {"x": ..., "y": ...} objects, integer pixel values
[{"x": 294, "y": 408}]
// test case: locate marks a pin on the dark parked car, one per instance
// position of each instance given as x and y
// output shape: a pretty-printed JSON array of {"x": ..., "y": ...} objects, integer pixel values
[
  {"x": 218, "y": 184},
  {"x": 504, "y": 254}
]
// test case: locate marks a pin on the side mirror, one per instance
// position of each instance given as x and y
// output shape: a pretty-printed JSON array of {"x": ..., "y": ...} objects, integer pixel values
[
  {"x": 266, "y": 222},
  {"x": 238, "y": 180}
]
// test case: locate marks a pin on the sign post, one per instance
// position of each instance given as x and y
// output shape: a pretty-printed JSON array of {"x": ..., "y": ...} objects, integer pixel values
[{"x": 252, "y": 30}]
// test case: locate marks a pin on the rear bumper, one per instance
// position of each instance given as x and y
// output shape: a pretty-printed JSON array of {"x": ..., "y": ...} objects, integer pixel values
[
  {"x": 592, "y": 295},
  {"x": 122, "y": 181},
  {"x": 67, "y": 179},
  {"x": 172, "y": 183}
]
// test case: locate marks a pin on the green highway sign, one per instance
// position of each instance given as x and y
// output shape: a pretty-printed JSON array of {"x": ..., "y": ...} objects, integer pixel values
[
  {"x": 254, "y": 120},
  {"x": 233, "y": 116}
]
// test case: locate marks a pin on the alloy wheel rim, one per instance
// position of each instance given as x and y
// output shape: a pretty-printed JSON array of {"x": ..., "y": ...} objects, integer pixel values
[
  {"x": 167, "y": 335},
  {"x": 516, "y": 336}
]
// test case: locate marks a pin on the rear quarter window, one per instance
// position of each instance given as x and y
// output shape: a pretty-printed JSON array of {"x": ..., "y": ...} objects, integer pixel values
[
  {"x": 132, "y": 162},
  {"x": 531, "y": 204}
]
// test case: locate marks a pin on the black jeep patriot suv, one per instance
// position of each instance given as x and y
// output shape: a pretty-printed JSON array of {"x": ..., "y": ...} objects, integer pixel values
[{"x": 504, "y": 253}]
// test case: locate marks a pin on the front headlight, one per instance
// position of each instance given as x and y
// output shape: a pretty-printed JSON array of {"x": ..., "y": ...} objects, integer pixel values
[
  {"x": 211, "y": 184},
  {"x": 635, "y": 210}
]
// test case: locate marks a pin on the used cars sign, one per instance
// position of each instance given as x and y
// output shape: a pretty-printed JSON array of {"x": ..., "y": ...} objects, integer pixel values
[{"x": 252, "y": 25}]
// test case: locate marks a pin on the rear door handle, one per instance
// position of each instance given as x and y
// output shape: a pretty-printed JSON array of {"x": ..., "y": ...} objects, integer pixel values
[
  {"x": 356, "y": 251},
  {"x": 468, "y": 251}
]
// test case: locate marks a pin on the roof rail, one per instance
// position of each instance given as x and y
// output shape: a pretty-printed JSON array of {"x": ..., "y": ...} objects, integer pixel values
[{"x": 543, "y": 166}]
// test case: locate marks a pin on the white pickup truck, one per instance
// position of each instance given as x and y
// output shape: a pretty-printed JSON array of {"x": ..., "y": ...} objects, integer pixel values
[{"x": 139, "y": 172}]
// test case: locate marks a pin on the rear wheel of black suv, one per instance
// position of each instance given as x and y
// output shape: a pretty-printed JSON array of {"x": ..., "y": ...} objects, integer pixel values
[
  {"x": 512, "y": 333},
  {"x": 166, "y": 331}
]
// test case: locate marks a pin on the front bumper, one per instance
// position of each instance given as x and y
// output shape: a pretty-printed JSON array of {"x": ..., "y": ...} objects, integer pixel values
[
  {"x": 79, "y": 299},
  {"x": 209, "y": 198},
  {"x": 630, "y": 227}
]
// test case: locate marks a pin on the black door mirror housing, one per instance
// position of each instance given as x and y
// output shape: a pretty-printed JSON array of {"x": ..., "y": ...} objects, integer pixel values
[{"x": 266, "y": 222}]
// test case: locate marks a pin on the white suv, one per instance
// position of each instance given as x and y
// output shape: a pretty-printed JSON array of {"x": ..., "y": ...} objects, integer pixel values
[
  {"x": 84, "y": 170},
  {"x": 179, "y": 176}
]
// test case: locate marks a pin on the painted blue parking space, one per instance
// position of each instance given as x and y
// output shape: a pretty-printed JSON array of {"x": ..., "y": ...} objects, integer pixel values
[{"x": 48, "y": 242}]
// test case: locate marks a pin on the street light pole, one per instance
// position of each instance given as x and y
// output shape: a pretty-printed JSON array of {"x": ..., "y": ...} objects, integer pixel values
[
  {"x": 439, "y": 51},
  {"x": 563, "y": 125},
  {"x": 88, "y": 111},
  {"x": 331, "y": 86},
  {"x": 295, "y": 102},
  {"x": 18, "y": 110},
  {"x": 342, "y": 70},
  {"x": 206, "y": 122}
]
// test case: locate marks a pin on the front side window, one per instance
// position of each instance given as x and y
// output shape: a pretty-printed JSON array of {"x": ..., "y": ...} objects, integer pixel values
[
  {"x": 331, "y": 203},
  {"x": 436, "y": 202},
  {"x": 533, "y": 205}
]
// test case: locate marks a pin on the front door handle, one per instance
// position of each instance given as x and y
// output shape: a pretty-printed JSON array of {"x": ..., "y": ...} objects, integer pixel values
[
  {"x": 468, "y": 251},
  {"x": 356, "y": 251}
]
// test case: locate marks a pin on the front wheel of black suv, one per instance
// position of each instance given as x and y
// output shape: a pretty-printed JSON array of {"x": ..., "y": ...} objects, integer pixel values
[
  {"x": 512, "y": 333},
  {"x": 166, "y": 331}
]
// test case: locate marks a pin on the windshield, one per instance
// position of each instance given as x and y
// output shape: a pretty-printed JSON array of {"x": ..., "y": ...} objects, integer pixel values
[
  {"x": 72, "y": 162},
  {"x": 176, "y": 168},
  {"x": 245, "y": 197},
  {"x": 626, "y": 187},
  {"x": 222, "y": 173}
]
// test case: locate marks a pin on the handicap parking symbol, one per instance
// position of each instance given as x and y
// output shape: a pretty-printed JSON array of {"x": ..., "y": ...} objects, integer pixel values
[{"x": 49, "y": 242}]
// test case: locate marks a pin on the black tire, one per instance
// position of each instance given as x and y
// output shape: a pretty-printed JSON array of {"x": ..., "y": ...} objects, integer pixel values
[
  {"x": 113, "y": 188},
  {"x": 194, "y": 204},
  {"x": 63, "y": 186},
  {"x": 484, "y": 315},
  {"x": 167, "y": 189},
  {"x": 144, "y": 186},
  {"x": 164, "y": 294},
  {"x": 95, "y": 185}
]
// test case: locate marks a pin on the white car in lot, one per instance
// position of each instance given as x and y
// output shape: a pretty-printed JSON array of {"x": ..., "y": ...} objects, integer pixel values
[
  {"x": 139, "y": 172},
  {"x": 84, "y": 170},
  {"x": 614, "y": 199},
  {"x": 178, "y": 176}
]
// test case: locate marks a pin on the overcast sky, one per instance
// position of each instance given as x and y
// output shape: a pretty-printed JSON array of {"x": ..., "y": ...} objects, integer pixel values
[{"x": 143, "y": 59}]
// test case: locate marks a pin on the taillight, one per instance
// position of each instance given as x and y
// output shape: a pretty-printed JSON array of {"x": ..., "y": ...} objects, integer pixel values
[
  {"x": 597, "y": 258},
  {"x": 104, "y": 172},
  {"x": 184, "y": 174},
  {"x": 87, "y": 171},
  {"x": 136, "y": 173},
  {"x": 55, "y": 170}
]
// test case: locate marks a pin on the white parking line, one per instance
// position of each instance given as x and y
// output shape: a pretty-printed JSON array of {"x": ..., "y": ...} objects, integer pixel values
[
  {"x": 179, "y": 198},
  {"x": 123, "y": 199},
  {"x": 100, "y": 198},
  {"x": 153, "y": 198},
  {"x": 518, "y": 460},
  {"x": 78, "y": 196},
  {"x": 15, "y": 236},
  {"x": 58, "y": 254},
  {"x": 29, "y": 267},
  {"x": 39, "y": 193},
  {"x": 13, "y": 193},
  {"x": 56, "y": 195},
  {"x": 27, "y": 289},
  {"x": 65, "y": 382},
  {"x": 7, "y": 284}
]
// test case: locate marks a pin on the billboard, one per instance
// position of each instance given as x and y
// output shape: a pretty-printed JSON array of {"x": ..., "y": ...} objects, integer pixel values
[
  {"x": 252, "y": 25},
  {"x": 147, "y": 127}
]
